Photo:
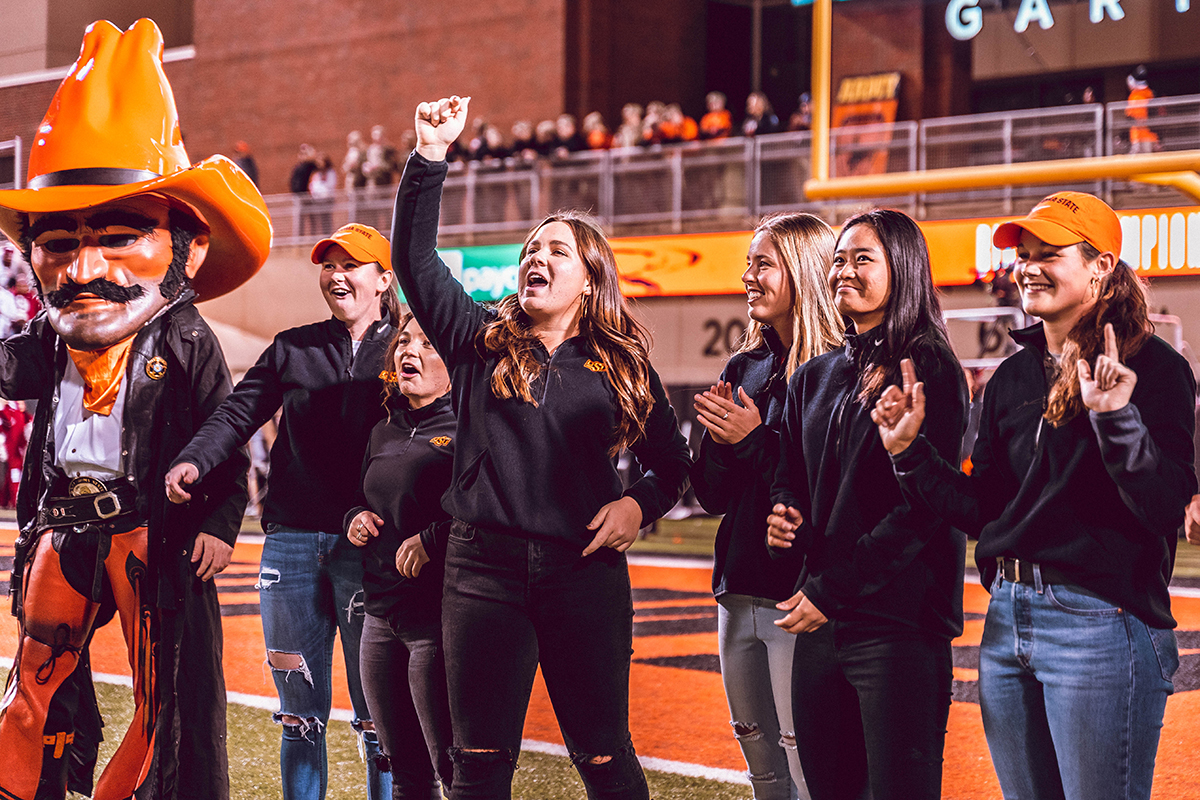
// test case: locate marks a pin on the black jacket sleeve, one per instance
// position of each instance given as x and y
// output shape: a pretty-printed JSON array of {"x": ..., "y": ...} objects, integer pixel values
[
  {"x": 1147, "y": 448},
  {"x": 27, "y": 361},
  {"x": 664, "y": 456},
  {"x": 789, "y": 486},
  {"x": 447, "y": 314},
  {"x": 932, "y": 477},
  {"x": 246, "y": 409},
  {"x": 224, "y": 490},
  {"x": 893, "y": 544}
]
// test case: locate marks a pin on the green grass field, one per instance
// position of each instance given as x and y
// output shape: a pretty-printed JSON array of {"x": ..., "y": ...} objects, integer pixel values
[{"x": 254, "y": 761}]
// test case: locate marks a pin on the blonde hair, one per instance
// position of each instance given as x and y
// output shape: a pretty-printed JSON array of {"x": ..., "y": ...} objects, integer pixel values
[
  {"x": 805, "y": 244},
  {"x": 617, "y": 340}
]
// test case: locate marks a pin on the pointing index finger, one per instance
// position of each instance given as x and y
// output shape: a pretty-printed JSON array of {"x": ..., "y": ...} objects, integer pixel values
[{"x": 909, "y": 374}]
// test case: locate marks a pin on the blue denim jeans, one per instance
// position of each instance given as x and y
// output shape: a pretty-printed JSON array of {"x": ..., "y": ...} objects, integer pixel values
[
  {"x": 404, "y": 680},
  {"x": 309, "y": 589},
  {"x": 1072, "y": 691},
  {"x": 511, "y": 603},
  {"x": 756, "y": 667}
]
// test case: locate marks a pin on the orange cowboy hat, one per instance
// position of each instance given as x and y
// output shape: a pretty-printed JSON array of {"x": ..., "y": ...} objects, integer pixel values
[{"x": 112, "y": 131}]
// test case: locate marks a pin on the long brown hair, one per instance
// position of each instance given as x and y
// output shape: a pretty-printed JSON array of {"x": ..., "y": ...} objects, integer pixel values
[
  {"x": 1121, "y": 300},
  {"x": 618, "y": 340},
  {"x": 805, "y": 244}
]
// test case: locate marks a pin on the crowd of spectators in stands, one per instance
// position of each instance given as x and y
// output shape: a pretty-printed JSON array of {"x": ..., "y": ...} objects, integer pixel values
[
  {"x": 376, "y": 162},
  {"x": 656, "y": 123}
]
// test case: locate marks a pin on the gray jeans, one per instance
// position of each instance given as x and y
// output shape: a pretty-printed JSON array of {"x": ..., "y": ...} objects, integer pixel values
[{"x": 404, "y": 680}]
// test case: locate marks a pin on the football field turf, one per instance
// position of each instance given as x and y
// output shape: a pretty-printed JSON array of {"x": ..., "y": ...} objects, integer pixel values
[{"x": 678, "y": 715}]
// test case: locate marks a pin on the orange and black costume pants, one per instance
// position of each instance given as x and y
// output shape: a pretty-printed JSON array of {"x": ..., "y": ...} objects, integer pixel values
[{"x": 69, "y": 580}]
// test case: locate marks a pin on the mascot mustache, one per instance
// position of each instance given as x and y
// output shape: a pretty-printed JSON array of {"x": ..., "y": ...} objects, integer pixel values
[{"x": 106, "y": 289}]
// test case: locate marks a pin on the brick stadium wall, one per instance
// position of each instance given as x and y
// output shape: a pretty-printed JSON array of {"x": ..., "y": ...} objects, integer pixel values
[
  {"x": 280, "y": 73},
  {"x": 882, "y": 37}
]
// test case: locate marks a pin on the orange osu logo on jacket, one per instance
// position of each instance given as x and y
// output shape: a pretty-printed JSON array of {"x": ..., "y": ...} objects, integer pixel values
[
  {"x": 594, "y": 366},
  {"x": 440, "y": 441}
]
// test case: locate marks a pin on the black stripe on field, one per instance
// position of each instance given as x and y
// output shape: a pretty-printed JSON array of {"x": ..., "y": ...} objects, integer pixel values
[
  {"x": 647, "y": 595},
  {"x": 666, "y": 611},
  {"x": 675, "y": 627},
  {"x": 240, "y": 610},
  {"x": 701, "y": 662}
]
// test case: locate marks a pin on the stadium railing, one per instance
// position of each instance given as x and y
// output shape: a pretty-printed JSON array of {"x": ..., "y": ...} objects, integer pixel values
[{"x": 727, "y": 184}]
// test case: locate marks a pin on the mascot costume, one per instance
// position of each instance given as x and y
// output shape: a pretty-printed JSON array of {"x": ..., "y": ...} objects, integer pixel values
[{"x": 124, "y": 234}]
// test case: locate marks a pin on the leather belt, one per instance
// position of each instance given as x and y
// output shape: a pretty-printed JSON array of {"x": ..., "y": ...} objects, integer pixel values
[
  {"x": 1014, "y": 570},
  {"x": 88, "y": 509}
]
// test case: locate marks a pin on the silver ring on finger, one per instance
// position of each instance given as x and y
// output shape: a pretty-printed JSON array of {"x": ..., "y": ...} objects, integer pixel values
[{"x": 726, "y": 415}]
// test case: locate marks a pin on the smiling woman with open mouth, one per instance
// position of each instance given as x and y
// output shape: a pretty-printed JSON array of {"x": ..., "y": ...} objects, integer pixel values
[
  {"x": 327, "y": 379},
  {"x": 549, "y": 386}
]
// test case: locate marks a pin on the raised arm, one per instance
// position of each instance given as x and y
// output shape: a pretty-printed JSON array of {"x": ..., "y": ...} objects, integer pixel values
[
  {"x": 1147, "y": 446},
  {"x": 899, "y": 537},
  {"x": 444, "y": 310},
  {"x": 929, "y": 475}
]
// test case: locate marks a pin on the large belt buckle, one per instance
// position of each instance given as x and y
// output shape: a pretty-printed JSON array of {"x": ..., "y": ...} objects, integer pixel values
[
  {"x": 106, "y": 505},
  {"x": 104, "y": 502}
]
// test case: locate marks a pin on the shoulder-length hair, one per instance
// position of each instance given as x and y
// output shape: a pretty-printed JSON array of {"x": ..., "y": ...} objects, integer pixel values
[
  {"x": 805, "y": 245},
  {"x": 912, "y": 322},
  {"x": 613, "y": 336},
  {"x": 1121, "y": 300}
]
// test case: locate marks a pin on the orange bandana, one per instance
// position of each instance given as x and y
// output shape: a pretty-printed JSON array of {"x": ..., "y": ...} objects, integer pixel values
[{"x": 102, "y": 371}]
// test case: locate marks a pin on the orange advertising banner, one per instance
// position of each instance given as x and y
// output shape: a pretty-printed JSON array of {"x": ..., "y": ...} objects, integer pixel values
[{"x": 1161, "y": 242}]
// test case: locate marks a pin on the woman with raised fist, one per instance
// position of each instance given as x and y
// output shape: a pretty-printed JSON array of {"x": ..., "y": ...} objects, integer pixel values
[{"x": 549, "y": 385}]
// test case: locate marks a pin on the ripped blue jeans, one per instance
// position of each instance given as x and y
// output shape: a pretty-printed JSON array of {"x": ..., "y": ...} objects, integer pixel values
[{"x": 309, "y": 589}]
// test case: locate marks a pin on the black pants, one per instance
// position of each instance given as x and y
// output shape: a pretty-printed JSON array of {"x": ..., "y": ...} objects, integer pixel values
[
  {"x": 404, "y": 683},
  {"x": 870, "y": 707},
  {"x": 509, "y": 604}
]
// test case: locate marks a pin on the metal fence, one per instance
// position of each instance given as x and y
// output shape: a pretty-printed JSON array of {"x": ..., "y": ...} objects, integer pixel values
[{"x": 729, "y": 183}]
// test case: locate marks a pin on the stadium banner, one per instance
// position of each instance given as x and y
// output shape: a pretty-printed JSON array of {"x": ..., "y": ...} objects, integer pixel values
[{"x": 1161, "y": 242}]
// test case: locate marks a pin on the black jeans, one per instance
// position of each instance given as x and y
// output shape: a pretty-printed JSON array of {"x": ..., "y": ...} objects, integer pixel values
[
  {"x": 404, "y": 680},
  {"x": 509, "y": 603},
  {"x": 870, "y": 707}
]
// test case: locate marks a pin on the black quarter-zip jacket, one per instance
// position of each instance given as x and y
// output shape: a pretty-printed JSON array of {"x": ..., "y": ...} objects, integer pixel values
[
  {"x": 1100, "y": 498},
  {"x": 330, "y": 398},
  {"x": 406, "y": 469},
  {"x": 735, "y": 480},
  {"x": 870, "y": 557},
  {"x": 541, "y": 471}
]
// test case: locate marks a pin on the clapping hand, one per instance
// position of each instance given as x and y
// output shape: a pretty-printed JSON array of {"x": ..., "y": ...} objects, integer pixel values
[
  {"x": 899, "y": 413},
  {"x": 782, "y": 524},
  {"x": 726, "y": 421},
  {"x": 438, "y": 124},
  {"x": 1109, "y": 385}
]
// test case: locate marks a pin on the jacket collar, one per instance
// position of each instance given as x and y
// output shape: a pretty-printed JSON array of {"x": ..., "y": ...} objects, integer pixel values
[
  {"x": 861, "y": 346},
  {"x": 1033, "y": 337},
  {"x": 774, "y": 343},
  {"x": 378, "y": 329},
  {"x": 398, "y": 404}
]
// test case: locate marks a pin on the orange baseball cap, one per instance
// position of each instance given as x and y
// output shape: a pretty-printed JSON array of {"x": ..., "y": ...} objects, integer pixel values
[
  {"x": 1066, "y": 218},
  {"x": 362, "y": 242}
]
